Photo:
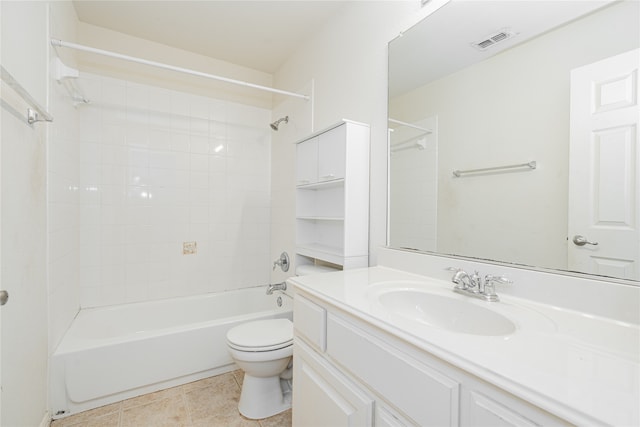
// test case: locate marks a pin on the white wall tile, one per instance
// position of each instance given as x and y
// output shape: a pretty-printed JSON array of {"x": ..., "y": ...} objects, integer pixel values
[{"x": 158, "y": 168}]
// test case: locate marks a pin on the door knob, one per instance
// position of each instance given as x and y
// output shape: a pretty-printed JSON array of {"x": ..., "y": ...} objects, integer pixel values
[
  {"x": 581, "y": 241},
  {"x": 4, "y": 297}
]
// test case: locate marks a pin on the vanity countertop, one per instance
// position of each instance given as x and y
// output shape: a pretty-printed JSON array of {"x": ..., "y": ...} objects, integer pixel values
[{"x": 580, "y": 367}]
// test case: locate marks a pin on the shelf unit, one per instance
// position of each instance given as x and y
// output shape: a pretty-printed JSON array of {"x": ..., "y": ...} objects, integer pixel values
[{"x": 332, "y": 196}]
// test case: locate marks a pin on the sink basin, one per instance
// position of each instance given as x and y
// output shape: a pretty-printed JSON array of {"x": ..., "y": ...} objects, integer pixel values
[{"x": 452, "y": 314}]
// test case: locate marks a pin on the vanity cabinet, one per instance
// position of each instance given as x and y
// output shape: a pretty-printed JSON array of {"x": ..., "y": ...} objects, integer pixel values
[
  {"x": 346, "y": 369},
  {"x": 330, "y": 398},
  {"x": 332, "y": 196}
]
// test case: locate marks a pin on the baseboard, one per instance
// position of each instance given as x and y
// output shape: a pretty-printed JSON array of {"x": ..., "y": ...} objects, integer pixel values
[{"x": 46, "y": 420}]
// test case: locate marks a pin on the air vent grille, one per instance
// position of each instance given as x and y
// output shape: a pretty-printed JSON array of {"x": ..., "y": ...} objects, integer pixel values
[{"x": 492, "y": 39}]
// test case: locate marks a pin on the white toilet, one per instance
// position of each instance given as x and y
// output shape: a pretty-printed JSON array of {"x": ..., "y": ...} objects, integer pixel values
[{"x": 263, "y": 350}]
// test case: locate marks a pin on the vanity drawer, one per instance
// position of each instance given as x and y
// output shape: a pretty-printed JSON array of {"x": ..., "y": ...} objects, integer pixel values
[
  {"x": 310, "y": 322},
  {"x": 422, "y": 394}
]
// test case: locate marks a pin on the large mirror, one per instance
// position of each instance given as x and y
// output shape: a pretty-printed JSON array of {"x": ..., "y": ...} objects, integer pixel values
[{"x": 513, "y": 129}]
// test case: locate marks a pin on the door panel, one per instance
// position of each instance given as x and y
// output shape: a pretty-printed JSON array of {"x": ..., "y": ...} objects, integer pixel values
[
  {"x": 331, "y": 154},
  {"x": 604, "y": 160},
  {"x": 307, "y": 162},
  {"x": 23, "y": 324}
]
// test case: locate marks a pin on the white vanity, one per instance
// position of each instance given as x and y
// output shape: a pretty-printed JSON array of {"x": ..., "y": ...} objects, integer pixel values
[{"x": 385, "y": 347}]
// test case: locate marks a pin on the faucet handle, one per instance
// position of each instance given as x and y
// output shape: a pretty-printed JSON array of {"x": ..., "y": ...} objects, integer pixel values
[
  {"x": 476, "y": 281},
  {"x": 283, "y": 262},
  {"x": 490, "y": 284},
  {"x": 489, "y": 278}
]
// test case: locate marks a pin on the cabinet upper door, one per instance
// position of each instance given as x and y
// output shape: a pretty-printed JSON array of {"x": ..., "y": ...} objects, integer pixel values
[
  {"x": 307, "y": 162},
  {"x": 332, "y": 154}
]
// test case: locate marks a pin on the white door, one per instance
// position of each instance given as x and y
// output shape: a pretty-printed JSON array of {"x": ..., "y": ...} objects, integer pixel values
[
  {"x": 604, "y": 174},
  {"x": 1, "y": 266},
  {"x": 23, "y": 328}
]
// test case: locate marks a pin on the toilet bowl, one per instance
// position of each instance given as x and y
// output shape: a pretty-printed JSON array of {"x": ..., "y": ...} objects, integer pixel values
[{"x": 263, "y": 350}]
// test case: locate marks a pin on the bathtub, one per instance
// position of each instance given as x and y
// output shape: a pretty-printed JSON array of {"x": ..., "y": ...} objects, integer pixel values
[{"x": 113, "y": 353}]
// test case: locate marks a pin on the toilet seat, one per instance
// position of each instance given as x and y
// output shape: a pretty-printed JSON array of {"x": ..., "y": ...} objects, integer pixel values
[{"x": 261, "y": 335}]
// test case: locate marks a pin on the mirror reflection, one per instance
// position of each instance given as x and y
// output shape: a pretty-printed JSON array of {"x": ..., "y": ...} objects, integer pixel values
[{"x": 534, "y": 107}]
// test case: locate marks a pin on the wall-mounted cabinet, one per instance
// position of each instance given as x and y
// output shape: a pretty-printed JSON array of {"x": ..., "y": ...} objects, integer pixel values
[{"x": 332, "y": 196}]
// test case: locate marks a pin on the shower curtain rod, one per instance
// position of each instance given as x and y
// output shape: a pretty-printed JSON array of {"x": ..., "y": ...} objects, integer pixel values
[
  {"x": 61, "y": 43},
  {"x": 410, "y": 125}
]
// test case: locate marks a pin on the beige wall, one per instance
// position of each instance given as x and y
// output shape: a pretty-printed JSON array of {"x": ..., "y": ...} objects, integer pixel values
[
  {"x": 114, "y": 41},
  {"x": 23, "y": 218},
  {"x": 347, "y": 63},
  {"x": 526, "y": 91}
]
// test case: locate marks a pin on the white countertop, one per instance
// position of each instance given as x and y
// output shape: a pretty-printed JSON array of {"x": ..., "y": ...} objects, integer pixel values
[{"x": 580, "y": 367}]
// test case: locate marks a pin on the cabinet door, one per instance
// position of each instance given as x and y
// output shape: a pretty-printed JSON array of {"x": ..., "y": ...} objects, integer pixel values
[
  {"x": 307, "y": 162},
  {"x": 323, "y": 397},
  {"x": 332, "y": 154},
  {"x": 484, "y": 411}
]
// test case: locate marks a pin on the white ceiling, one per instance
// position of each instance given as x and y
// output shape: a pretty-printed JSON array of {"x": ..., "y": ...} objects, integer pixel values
[{"x": 259, "y": 34}]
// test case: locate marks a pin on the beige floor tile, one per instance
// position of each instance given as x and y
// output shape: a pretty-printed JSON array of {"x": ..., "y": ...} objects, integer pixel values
[
  {"x": 239, "y": 376},
  {"x": 164, "y": 412},
  {"x": 206, "y": 382},
  {"x": 282, "y": 419},
  {"x": 83, "y": 418},
  {"x": 152, "y": 397},
  {"x": 220, "y": 399},
  {"x": 210, "y": 402},
  {"x": 110, "y": 420},
  {"x": 233, "y": 420}
]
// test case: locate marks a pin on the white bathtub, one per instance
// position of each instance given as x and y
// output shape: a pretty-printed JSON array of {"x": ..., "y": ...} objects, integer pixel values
[{"x": 118, "y": 352}]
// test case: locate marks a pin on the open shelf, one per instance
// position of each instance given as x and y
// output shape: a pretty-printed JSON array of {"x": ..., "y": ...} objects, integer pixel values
[
  {"x": 322, "y": 185},
  {"x": 321, "y": 218},
  {"x": 319, "y": 251}
]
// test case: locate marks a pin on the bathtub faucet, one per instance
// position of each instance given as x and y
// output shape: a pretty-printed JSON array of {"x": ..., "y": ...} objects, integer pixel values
[{"x": 276, "y": 287}]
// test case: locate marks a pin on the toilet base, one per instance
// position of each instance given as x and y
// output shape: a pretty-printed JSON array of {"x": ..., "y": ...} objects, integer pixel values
[{"x": 263, "y": 397}]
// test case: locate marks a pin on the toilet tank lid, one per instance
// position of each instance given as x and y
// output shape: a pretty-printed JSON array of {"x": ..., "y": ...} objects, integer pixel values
[{"x": 261, "y": 333}]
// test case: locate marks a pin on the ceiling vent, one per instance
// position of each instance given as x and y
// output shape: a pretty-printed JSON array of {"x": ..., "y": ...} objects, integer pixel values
[{"x": 493, "y": 39}]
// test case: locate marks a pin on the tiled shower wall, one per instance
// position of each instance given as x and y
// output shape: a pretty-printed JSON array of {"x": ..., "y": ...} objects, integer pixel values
[
  {"x": 413, "y": 220},
  {"x": 160, "y": 169}
]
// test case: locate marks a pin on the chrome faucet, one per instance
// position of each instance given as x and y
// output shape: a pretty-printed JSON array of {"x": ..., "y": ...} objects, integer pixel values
[
  {"x": 475, "y": 286},
  {"x": 276, "y": 287}
]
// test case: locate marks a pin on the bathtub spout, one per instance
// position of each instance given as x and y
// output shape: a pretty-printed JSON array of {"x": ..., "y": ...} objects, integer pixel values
[{"x": 276, "y": 287}]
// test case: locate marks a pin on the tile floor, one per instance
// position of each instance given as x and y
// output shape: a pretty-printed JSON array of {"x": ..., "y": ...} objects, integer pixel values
[{"x": 210, "y": 402}]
